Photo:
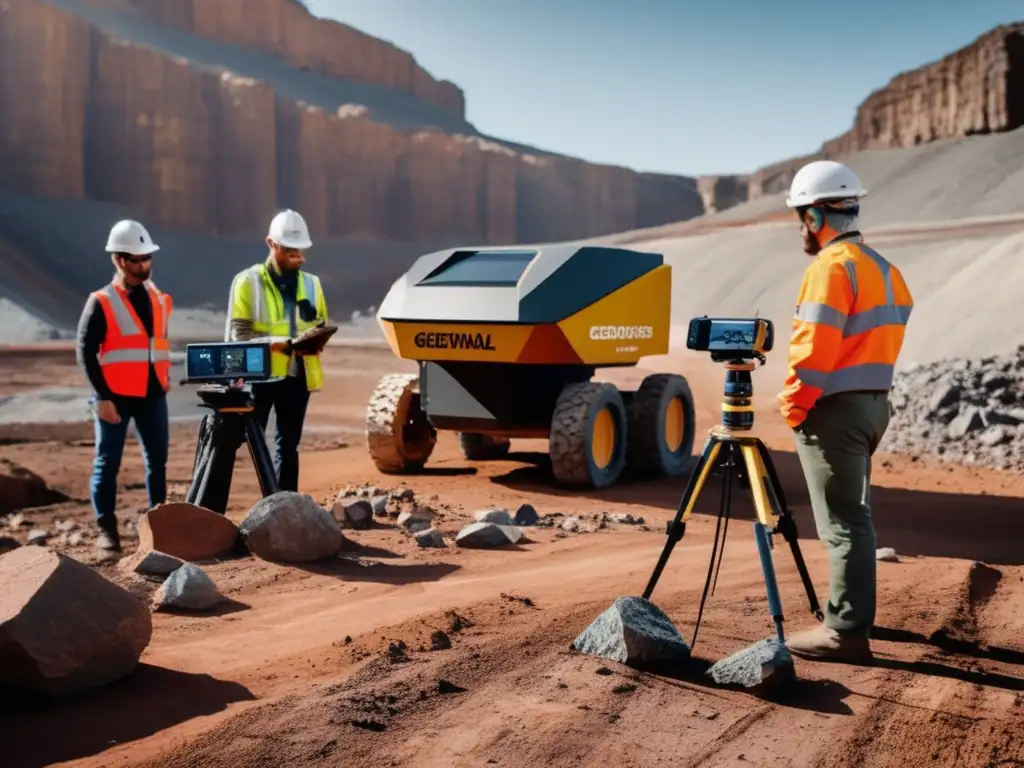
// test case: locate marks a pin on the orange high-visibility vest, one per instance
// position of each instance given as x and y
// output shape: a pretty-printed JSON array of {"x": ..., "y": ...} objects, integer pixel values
[
  {"x": 127, "y": 350},
  {"x": 848, "y": 329}
]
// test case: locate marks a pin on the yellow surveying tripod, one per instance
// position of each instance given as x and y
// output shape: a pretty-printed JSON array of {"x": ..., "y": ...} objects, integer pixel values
[{"x": 730, "y": 448}]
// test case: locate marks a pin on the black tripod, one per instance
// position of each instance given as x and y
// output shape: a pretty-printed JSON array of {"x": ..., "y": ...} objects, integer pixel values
[
  {"x": 221, "y": 433},
  {"x": 729, "y": 450}
]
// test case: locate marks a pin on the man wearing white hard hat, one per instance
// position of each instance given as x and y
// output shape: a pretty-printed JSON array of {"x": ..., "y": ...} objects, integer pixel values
[
  {"x": 125, "y": 354},
  {"x": 278, "y": 299},
  {"x": 848, "y": 328}
]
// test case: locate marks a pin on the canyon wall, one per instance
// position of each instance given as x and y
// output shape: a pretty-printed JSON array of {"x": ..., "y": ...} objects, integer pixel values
[
  {"x": 195, "y": 150},
  {"x": 285, "y": 29},
  {"x": 976, "y": 89}
]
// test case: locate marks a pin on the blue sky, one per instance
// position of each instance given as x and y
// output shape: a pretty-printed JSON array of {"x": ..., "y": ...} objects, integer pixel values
[{"x": 669, "y": 85}]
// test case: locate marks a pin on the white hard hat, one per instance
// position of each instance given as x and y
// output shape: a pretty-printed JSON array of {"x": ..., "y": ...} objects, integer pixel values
[
  {"x": 289, "y": 229},
  {"x": 129, "y": 236},
  {"x": 823, "y": 180}
]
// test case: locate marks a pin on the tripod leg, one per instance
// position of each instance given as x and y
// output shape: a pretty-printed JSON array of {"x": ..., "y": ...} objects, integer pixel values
[
  {"x": 723, "y": 512},
  {"x": 677, "y": 527},
  {"x": 786, "y": 524},
  {"x": 762, "y": 537},
  {"x": 212, "y": 485},
  {"x": 260, "y": 455},
  {"x": 201, "y": 463}
]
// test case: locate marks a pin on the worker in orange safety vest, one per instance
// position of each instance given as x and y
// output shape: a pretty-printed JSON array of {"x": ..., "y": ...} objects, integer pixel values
[
  {"x": 851, "y": 315},
  {"x": 125, "y": 353}
]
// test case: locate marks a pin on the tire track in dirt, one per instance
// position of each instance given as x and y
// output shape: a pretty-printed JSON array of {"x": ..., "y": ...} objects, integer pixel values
[
  {"x": 480, "y": 702},
  {"x": 954, "y": 704}
]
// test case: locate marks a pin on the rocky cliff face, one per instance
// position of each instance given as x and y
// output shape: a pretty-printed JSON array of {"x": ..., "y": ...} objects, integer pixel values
[
  {"x": 90, "y": 115},
  {"x": 977, "y": 89},
  {"x": 721, "y": 192},
  {"x": 285, "y": 29}
]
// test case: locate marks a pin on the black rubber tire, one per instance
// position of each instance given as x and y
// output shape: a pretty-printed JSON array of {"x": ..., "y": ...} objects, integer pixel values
[
  {"x": 478, "y": 447},
  {"x": 648, "y": 451},
  {"x": 399, "y": 438},
  {"x": 571, "y": 444}
]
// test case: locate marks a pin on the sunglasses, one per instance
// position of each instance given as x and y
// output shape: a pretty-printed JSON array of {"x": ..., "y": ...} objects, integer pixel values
[{"x": 136, "y": 259}]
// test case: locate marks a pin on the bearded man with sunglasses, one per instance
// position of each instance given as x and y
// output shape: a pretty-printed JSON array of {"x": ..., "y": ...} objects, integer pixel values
[
  {"x": 125, "y": 354},
  {"x": 279, "y": 301}
]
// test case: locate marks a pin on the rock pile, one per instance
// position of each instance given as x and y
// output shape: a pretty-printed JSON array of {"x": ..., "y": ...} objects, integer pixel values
[{"x": 967, "y": 411}]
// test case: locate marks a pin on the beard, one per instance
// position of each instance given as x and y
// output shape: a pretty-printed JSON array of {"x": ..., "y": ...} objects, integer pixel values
[{"x": 811, "y": 246}]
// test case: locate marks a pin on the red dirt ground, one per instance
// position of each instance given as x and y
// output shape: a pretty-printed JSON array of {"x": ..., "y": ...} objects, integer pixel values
[{"x": 298, "y": 671}]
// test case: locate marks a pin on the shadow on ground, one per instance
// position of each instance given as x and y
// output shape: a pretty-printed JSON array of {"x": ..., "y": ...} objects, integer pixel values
[
  {"x": 353, "y": 567},
  {"x": 150, "y": 700},
  {"x": 824, "y": 696},
  {"x": 915, "y": 523}
]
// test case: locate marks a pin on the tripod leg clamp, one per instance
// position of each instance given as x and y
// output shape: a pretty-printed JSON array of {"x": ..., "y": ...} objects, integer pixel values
[{"x": 675, "y": 530}]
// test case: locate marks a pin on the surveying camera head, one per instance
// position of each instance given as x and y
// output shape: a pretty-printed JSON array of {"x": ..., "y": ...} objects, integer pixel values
[
  {"x": 737, "y": 342},
  {"x": 731, "y": 340}
]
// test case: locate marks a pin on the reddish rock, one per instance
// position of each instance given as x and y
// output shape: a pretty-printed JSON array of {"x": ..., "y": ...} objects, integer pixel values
[
  {"x": 187, "y": 531},
  {"x": 64, "y": 628},
  {"x": 21, "y": 488}
]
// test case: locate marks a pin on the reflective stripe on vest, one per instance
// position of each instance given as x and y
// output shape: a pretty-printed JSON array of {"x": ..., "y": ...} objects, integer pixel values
[{"x": 127, "y": 350}]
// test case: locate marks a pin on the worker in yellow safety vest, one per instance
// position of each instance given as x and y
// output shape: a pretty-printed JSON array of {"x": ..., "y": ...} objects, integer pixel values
[
  {"x": 280, "y": 300},
  {"x": 851, "y": 315}
]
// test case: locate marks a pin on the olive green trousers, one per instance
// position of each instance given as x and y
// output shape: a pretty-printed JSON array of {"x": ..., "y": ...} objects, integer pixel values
[{"x": 835, "y": 445}]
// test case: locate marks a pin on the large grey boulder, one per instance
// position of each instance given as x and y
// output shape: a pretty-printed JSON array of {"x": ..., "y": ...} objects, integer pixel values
[
  {"x": 64, "y": 628},
  {"x": 188, "y": 587},
  {"x": 635, "y": 632},
  {"x": 290, "y": 527},
  {"x": 487, "y": 536}
]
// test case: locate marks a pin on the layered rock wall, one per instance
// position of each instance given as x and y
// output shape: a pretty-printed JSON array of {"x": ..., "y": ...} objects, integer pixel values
[
  {"x": 977, "y": 89},
  {"x": 45, "y": 56},
  {"x": 285, "y": 29},
  {"x": 89, "y": 115},
  {"x": 722, "y": 192}
]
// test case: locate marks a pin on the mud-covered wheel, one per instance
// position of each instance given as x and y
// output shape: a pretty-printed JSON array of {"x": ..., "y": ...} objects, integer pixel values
[
  {"x": 477, "y": 447},
  {"x": 661, "y": 426},
  {"x": 588, "y": 435},
  {"x": 398, "y": 436}
]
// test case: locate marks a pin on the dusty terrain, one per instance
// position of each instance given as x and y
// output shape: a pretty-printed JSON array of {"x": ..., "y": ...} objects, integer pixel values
[{"x": 334, "y": 664}]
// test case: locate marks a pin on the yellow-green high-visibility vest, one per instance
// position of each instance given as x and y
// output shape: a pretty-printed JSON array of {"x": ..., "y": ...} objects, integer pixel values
[{"x": 255, "y": 297}]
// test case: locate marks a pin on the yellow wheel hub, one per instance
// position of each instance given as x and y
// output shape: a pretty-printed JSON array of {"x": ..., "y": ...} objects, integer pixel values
[
  {"x": 675, "y": 421},
  {"x": 602, "y": 439}
]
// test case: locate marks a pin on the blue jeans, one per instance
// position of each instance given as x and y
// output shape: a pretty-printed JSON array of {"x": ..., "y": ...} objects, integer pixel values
[{"x": 151, "y": 426}]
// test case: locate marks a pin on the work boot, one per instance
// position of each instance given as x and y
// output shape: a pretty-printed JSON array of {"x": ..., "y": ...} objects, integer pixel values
[
  {"x": 824, "y": 644},
  {"x": 108, "y": 542}
]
